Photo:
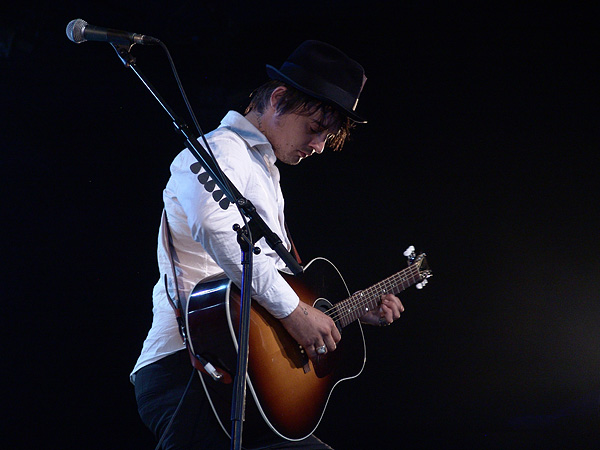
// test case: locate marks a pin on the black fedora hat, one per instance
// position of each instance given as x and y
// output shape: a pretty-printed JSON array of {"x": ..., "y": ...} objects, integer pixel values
[{"x": 324, "y": 72}]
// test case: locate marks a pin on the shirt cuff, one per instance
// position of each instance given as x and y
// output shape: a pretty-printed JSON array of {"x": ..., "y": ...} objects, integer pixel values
[{"x": 280, "y": 299}]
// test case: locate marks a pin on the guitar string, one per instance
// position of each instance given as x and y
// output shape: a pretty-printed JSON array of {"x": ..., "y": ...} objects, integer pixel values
[
  {"x": 360, "y": 299},
  {"x": 354, "y": 306},
  {"x": 359, "y": 304},
  {"x": 370, "y": 298}
]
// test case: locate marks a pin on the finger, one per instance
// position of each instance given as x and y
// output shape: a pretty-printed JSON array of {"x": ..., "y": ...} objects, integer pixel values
[
  {"x": 335, "y": 334},
  {"x": 392, "y": 301},
  {"x": 390, "y": 313},
  {"x": 400, "y": 305},
  {"x": 330, "y": 343}
]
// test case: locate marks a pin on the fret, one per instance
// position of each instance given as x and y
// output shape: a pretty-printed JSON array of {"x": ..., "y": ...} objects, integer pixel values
[{"x": 360, "y": 303}]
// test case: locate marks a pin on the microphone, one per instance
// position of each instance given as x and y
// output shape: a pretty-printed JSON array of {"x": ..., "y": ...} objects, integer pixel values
[{"x": 79, "y": 31}]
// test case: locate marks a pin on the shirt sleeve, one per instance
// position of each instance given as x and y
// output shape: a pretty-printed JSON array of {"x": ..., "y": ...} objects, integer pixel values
[{"x": 212, "y": 226}]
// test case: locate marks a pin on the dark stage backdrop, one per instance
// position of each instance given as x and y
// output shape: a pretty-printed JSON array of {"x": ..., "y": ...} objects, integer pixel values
[{"x": 481, "y": 150}]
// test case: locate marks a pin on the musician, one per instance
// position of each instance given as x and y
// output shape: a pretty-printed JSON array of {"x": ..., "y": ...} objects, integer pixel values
[{"x": 308, "y": 104}]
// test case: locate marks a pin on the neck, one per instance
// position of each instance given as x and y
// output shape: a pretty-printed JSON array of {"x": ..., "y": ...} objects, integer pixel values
[{"x": 255, "y": 119}]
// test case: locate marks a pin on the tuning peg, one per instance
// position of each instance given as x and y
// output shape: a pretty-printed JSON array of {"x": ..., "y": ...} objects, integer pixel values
[
  {"x": 409, "y": 251},
  {"x": 422, "y": 284}
]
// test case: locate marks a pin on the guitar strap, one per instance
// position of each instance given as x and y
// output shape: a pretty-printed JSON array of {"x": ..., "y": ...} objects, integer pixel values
[
  {"x": 294, "y": 251},
  {"x": 167, "y": 242},
  {"x": 198, "y": 362}
]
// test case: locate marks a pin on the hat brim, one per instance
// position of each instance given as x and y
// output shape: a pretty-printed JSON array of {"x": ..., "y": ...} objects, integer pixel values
[{"x": 275, "y": 74}]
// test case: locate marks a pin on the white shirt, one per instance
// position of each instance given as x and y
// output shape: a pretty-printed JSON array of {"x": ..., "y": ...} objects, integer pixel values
[{"x": 203, "y": 239}]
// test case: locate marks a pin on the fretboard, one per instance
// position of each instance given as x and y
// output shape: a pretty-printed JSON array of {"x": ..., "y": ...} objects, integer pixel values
[{"x": 360, "y": 303}]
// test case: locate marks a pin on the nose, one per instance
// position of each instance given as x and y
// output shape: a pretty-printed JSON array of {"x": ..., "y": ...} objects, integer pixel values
[{"x": 318, "y": 142}]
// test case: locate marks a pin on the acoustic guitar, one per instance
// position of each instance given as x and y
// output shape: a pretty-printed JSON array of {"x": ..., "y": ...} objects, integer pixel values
[{"x": 289, "y": 393}]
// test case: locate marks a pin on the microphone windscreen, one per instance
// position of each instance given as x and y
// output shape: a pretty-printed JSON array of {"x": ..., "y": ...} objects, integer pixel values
[{"x": 75, "y": 30}]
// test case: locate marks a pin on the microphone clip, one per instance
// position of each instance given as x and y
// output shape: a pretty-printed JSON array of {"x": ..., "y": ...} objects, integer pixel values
[{"x": 124, "y": 53}]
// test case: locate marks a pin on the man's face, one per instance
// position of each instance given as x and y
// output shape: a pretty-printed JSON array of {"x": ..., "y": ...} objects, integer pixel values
[{"x": 295, "y": 137}]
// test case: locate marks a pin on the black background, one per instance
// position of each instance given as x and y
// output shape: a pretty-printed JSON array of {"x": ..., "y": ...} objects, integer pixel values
[{"x": 481, "y": 150}]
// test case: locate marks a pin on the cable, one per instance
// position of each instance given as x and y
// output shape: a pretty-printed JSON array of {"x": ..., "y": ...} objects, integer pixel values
[
  {"x": 187, "y": 388},
  {"x": 191, "y": 112}
]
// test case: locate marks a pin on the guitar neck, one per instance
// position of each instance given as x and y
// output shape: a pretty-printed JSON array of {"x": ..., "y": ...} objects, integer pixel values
[{"x": 360, "y": 303}]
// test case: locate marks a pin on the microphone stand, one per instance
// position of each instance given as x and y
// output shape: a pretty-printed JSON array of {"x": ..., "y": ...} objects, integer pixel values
[{"x": 247, "y": 236}]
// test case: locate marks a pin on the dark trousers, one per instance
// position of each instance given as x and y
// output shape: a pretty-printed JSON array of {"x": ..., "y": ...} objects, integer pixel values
[{"x": 158, "y": 390}]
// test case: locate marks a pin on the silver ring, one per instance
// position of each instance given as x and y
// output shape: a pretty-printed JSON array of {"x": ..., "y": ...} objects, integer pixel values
[{"x": 321, "y": 350}]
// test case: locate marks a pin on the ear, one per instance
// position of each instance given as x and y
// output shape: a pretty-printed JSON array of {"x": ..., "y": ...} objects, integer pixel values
[{"x": 276, "y": 95}]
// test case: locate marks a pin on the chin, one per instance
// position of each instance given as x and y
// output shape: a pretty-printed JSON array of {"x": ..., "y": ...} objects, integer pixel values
[{"x": 291, "y": 161}]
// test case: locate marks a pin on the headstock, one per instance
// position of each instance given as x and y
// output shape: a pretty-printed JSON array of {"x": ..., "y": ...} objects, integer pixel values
[{"x": 420, "y": 263}]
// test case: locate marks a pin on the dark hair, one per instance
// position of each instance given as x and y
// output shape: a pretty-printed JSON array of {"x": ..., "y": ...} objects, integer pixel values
[{"x": 294, "y": 101}]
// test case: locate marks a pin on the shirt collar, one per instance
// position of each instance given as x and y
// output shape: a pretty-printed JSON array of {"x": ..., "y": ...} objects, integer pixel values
[{"x": 249, "y": 133}]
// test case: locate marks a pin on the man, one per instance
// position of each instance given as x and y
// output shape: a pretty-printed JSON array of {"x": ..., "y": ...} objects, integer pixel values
[{"x": 310, "y": 103}]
